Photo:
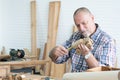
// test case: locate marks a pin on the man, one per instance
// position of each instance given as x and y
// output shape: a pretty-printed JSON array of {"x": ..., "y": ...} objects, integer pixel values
[{"x": 103, "y": 52}]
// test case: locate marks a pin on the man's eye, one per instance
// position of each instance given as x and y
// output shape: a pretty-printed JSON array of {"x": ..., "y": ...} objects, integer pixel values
[
  {"x": 78, "y": 25},
  {"x": 84, "y": 23}
]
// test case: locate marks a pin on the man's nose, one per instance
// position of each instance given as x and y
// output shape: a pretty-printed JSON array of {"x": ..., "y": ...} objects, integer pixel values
[{"x": 81, "y": 28}]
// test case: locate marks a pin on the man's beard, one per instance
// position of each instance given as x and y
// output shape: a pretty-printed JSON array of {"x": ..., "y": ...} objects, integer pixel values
[{"x": 86, "y": 34}]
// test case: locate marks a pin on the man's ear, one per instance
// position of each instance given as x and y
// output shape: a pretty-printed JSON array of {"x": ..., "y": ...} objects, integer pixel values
[{"x": 92, "y": 17}]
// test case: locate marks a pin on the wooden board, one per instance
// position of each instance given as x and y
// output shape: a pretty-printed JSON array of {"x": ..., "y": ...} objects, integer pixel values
[
  {"x": 45, "y": 53},
  {"x": 4, "y": 56},
  {"x": 57, "y": 70},
  {"x": 33, "y": 28},
  {"x": 25, "y": 63},
  {"x": 37, "y": 68},
  {"x": 54, "y": 8}
]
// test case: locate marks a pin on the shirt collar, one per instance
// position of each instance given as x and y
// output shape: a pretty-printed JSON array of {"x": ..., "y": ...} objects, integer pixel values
[{"x": 96, "y": 34}]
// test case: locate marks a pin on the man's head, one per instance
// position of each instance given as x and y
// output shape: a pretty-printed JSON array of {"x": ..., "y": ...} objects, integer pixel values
[{"x": 84, "y": 21}]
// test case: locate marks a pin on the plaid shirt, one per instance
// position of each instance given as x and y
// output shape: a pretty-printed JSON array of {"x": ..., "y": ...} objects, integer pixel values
[{"x": 104, "y": 51}]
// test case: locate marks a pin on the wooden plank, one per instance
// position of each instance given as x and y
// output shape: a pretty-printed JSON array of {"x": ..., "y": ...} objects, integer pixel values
[
  {"x": 38, "y": 53},
  {"x": 25, "y": 63},
  {"x": 33, "y": 28},
  {"x": 57, "y": 70},
  {"x": 42, "y": 67},
  {"x": 22, "y": 64},
  {"x": 37, "y": 68},
  {"x": 4, "y": 56},
  {"x": 52, "y": 31},
  {"x": 45, "y": 53},
  {"x": 54, "y": 9}
]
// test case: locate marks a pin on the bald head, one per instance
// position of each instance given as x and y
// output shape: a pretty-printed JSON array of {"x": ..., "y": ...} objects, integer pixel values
[{"x": 82, "y": 9}]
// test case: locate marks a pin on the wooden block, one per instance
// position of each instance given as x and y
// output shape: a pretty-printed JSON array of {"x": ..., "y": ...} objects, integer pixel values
[
  {"x": 102, "y": 68},
  {"x": 4, "y": 71}
]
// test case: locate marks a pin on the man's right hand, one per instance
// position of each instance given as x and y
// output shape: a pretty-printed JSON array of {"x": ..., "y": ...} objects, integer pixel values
[{"x": 60, "y": 51}]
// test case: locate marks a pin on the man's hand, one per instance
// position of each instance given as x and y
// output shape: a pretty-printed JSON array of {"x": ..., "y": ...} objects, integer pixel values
[
  {"x": 60, "y": 51},
  {"x": 80, "y": 44},
  {"x": 84, "y": 49}
]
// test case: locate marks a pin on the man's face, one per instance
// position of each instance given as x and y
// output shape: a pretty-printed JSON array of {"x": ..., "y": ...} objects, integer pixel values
[{"x": 84, "y": 23}]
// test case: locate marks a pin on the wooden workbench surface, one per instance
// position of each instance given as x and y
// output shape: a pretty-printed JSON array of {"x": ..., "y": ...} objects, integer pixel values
[{"x": 24, "y": 63}]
